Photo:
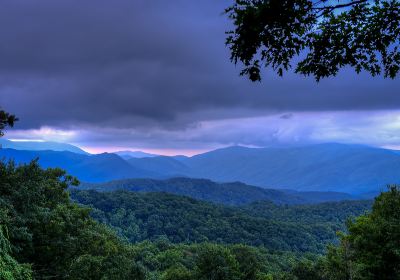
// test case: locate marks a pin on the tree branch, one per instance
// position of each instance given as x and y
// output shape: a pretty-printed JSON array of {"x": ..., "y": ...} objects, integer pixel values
[{"x": 339, "y": 6}]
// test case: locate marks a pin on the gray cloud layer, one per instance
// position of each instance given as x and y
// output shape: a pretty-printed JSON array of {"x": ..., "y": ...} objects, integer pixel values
[{"x": 145, "y": 64}]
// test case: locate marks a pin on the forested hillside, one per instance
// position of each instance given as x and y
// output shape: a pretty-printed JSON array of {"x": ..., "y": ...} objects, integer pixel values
[
  {"x": 138, "y": 217},
  {"x": 44, "y": 235},
  {"x": 235, "y": 193},
  {"x": 52, "y": 236}
]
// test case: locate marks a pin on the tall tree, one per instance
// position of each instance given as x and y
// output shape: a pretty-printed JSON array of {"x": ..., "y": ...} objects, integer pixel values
[
  {"x": 10, "y": 269},
  {"x": 319, "y": 36},
  {"x": 374, "y": 239},
  {"x": 6, "y": 120}
]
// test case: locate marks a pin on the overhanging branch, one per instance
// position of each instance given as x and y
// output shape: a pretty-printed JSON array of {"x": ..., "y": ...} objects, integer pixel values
[{"x": 339, "y": 6}]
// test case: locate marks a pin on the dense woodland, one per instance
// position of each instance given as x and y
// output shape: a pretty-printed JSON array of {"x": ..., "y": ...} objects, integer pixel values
[
  {"x": 45, "y": 235},
  {"x": 233, "y": 193},
  {"x": 141, "y": 216}
]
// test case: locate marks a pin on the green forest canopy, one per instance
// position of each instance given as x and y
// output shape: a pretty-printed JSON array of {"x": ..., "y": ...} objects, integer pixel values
[
  {"x": 149, "y": 216},
  {"x": 45, "y": 235}
]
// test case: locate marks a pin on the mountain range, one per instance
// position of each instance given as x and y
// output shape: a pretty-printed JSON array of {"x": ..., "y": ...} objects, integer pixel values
[
  {"x": 329, "y": 167},
  {"x": 354, "y": 169},
  {"x": 90, "y": 168}
]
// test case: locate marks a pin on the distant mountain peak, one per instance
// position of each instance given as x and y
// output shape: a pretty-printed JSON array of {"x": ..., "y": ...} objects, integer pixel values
[
  {"x": 134, "y": 154},
  {"x": 36, "y": 145}
]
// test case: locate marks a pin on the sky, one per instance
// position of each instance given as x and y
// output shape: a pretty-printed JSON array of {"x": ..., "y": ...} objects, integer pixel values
[{"x": 156, "y": 76}]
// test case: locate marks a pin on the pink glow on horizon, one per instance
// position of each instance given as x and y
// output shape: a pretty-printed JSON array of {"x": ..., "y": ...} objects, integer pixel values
[{"x": 163, "y": 152}]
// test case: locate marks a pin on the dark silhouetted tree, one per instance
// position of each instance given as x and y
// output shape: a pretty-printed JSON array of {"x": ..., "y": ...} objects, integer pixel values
[
  {"x": 6, "y": 120},
  {"x": 319, "y": 36}
]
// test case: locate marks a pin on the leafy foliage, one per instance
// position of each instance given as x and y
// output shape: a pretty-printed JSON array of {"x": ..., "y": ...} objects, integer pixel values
[
  {"x": 10, "y": 269},
  {"x": 167, "y": 261},
  {"x": 369, "y": 251},
  {"x": 374, "y": 239},
  {"x": 50, "y": 232},
  {"x": 321, "y": 36}
]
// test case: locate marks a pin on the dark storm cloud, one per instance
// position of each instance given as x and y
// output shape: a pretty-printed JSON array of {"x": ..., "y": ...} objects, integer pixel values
[{"x": 141, "y": 63}]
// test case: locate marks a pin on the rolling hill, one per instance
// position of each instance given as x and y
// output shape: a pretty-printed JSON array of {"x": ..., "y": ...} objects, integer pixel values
[
  {"x": 235, "y": 193},
  {"x": 141, "y": 216}
]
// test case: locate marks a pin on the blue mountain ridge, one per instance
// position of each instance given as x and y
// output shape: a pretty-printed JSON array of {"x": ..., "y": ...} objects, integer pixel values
[
  {"x": 354, "y": 169},
  {"x": 87, "y": 168},
  {"x": 40, "y": 146}
]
